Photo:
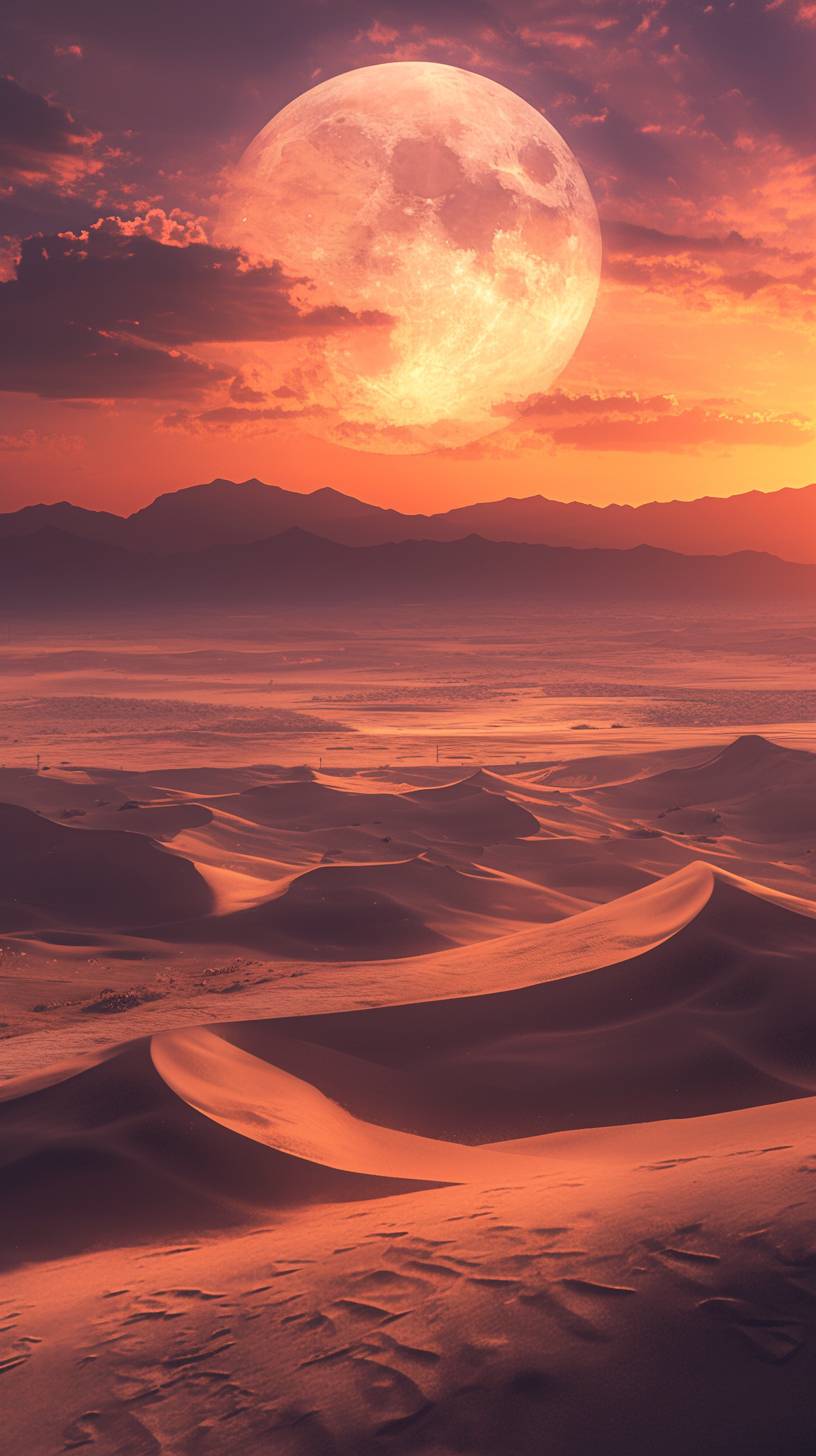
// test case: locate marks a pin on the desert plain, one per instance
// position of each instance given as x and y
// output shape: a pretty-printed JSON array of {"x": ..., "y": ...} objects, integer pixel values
[{"x": 407, "y": 1038}]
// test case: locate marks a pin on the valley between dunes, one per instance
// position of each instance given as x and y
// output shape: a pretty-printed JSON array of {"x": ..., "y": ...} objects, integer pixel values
[{"x": 407, "y": 1111}]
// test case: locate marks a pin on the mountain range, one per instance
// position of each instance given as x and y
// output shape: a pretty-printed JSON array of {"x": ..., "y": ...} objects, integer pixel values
[
  {"x": 51, "y": 571},
  {"x": 224, "y": 513}
]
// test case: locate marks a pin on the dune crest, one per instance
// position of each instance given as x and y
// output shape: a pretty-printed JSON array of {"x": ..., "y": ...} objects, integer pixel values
[
  {"x": 429, "y": 1091},
  {"x": 261, "y": 1102}
]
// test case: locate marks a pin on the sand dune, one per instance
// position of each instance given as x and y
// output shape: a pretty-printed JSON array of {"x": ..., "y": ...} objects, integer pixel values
[
  {"x": 359, "y": 888},
  {"x": 715, "y": 1013},
  {"x": 336, "y": 913},
  {"x": 750, "y": 766},
  {"x": 456, "y": 1318},
  {"x": 755, "y": 796},
  {"x": 157, "y": 821},
  {"x": 126, "y": 1160},
  {"x": 395, "y": 907},
  {"x": 268, "y": 1105},
  {"x": 615, "y": 768},
  {"x": 499, "y": 1122},
  {"x": 53, "y": 873},
  {"x": 465, "y": 811}
]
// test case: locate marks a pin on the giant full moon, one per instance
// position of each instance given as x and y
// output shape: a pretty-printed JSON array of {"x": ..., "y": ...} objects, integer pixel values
[{"x": 450, "y": 210}]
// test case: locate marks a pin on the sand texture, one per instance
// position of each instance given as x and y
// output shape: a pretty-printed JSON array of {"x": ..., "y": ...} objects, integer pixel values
[{"x": 411, "y": 1110}]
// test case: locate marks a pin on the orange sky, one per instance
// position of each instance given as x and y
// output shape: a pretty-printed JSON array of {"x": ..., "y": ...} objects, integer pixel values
[
  {"x": 736, "y": 410},
  {"x": 694, "y": 377}
]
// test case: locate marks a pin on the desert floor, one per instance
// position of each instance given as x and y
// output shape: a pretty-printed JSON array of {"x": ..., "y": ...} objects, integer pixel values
[{"x": 430, "y": 1108}]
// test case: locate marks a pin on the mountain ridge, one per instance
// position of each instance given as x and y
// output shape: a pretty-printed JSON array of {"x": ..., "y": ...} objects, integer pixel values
[
  {"x": 221, "y": 512},
  {"x": 53, "y": 568}
]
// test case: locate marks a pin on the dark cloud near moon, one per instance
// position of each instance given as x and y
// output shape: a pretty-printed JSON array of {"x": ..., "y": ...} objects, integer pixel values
[
  {"x": 146, "y": 67},
  {"x": 41, "y": 144},
  {"x": 636, "y": 238},
  {"x": 109, "y": 313}
]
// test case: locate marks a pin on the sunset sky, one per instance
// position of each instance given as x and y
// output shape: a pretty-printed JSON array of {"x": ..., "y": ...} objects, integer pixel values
[{"x": 694, "y": 122}]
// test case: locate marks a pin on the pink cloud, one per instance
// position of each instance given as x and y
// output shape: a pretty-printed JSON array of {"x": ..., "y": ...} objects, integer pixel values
[{"x": 686, "y": 430}]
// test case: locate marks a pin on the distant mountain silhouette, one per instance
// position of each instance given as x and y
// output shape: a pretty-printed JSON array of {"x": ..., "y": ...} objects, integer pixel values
[
  {"x": 782, "y": 522},
  {"x": 62, "y": 516},
  {"x": 54, "y": 570},
  {"x": 221, "y": 513}
]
